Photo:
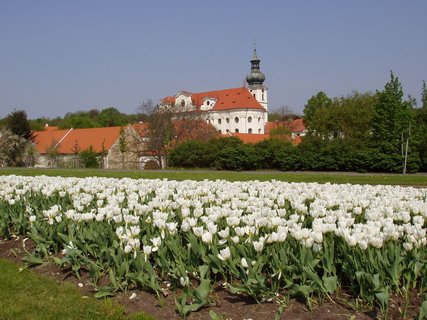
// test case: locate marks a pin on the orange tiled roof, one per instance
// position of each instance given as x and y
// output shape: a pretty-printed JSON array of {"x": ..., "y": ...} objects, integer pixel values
[
  {"x": 297, "y": 140},
  {"x": 236, "y": 98},
  {"x": 67, "y": 139},
  {"x": 141, "y": 128},
  {"x": 296, "y": 125},
  {"x": 168, "y": 100},
  {"x": 255, "y": 138},
  {"x": 249, "y": 137},
  {"x": 50, "y": 128}
]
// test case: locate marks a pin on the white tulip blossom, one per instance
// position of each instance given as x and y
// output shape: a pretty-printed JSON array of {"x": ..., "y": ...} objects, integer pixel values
[
  {"x": 224, "y": 254},
  {"x": 218, "y": 213}
]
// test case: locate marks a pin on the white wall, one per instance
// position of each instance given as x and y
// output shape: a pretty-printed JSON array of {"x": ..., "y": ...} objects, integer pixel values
[
  {"x": 247, "y": 119},
  {"x": 260, "y": 94}
]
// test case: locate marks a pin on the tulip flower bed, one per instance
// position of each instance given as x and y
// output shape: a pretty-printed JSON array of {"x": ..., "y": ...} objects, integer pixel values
[{"x": 269, "y": 240}]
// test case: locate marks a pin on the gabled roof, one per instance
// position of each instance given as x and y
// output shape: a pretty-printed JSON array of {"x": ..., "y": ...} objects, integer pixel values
[
  {"x": 236, "y": 98},
  {"x": 66, "y": 140},
  {"x": 296, "y": 125}
]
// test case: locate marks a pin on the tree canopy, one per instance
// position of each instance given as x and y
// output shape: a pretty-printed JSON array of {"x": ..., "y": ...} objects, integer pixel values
[{"x": 18, "y": 124}]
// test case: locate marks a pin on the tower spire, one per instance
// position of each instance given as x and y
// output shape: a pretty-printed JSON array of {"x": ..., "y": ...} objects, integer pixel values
[
  {"x": 255, "y": 57},
  {"x": 255, "y": 76}
]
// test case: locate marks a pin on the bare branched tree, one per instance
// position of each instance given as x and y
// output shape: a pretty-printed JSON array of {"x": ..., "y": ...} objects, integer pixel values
[
  {"x": 286, "y": 113},
  {"x": 160, "y": 130},
  {"x": 169, "y": 125}
]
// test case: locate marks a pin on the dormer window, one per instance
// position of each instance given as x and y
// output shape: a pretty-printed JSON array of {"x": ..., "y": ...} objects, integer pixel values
[
  {"x": 208, "y": 102},
  {"x": 182, "y": 103}
]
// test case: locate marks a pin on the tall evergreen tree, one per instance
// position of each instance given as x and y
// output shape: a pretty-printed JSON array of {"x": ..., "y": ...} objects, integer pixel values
[
  {"x": 424, "y": 96},
  {"x": 420, "y": 129},
  {"x": 18, "y": 124},
  {"x": 391, "y": 120}
]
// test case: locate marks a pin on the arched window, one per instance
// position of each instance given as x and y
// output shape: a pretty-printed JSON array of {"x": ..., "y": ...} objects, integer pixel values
[
  {"x": 219, "y": 121},
  {"x": 249, "y": 119},
  {"x": 207, "y": 102},
  {"x": 250, "y": 130},
  {"x": 236, "y": 131},
  {"x": 227, "y": 120},
  {"x": 182, "y": 103},
  {"x": 236, "y": 119},
  {"x": 219, "y": 131}
]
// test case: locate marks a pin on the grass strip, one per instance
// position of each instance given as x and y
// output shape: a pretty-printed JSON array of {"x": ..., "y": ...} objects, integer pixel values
[
  {"x": 25, "y": 295},
  {"x": 320, "y": 177}
]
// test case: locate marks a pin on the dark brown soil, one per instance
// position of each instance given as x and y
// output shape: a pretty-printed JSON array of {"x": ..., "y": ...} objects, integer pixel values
[{"x": 223, "y": 303}]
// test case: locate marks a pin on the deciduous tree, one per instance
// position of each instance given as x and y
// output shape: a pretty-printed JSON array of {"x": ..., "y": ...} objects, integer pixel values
[
  {"x": 12, "y": 148},
  {"x": 314, "y": 108}
]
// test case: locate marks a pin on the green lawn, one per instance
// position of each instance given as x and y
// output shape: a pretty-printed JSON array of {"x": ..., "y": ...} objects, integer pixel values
[
  {"x": 321, "y": 177},
  {"x": 25, "y": 295}
]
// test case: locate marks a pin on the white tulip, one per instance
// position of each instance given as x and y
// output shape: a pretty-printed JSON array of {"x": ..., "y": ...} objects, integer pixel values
[
  {"x": 258, "y": 245},
  {"x": 207, "y": 237},
  {"x": 244, "y": 263},
  {"x": 224, "y": 254}
]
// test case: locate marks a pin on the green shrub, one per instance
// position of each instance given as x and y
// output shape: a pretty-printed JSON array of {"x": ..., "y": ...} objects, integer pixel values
[{"x": 89, "y": 158}]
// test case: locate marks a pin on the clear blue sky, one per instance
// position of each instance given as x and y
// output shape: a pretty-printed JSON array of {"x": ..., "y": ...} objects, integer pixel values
[{"x": 64, "y": 56}]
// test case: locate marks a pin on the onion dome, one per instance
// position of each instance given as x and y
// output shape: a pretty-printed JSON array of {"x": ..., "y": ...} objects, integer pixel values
[{"x": 255, "y": 76}]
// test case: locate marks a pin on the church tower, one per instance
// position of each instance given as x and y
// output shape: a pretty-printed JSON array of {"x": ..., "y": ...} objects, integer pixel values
[{"x": 255, "y": 80}]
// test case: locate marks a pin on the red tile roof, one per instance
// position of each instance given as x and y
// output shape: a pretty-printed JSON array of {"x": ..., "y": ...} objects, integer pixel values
[
  {"x": 66, "y": 140},
  {"x": 236, "y": 98},
  {"x": 249, "y": 137},
  {"x": 296, "y": 125},
  {"x": 168, "y": 100},
  {"x": 50, "y": 128},
  {"x": 297, "y": 140}
]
